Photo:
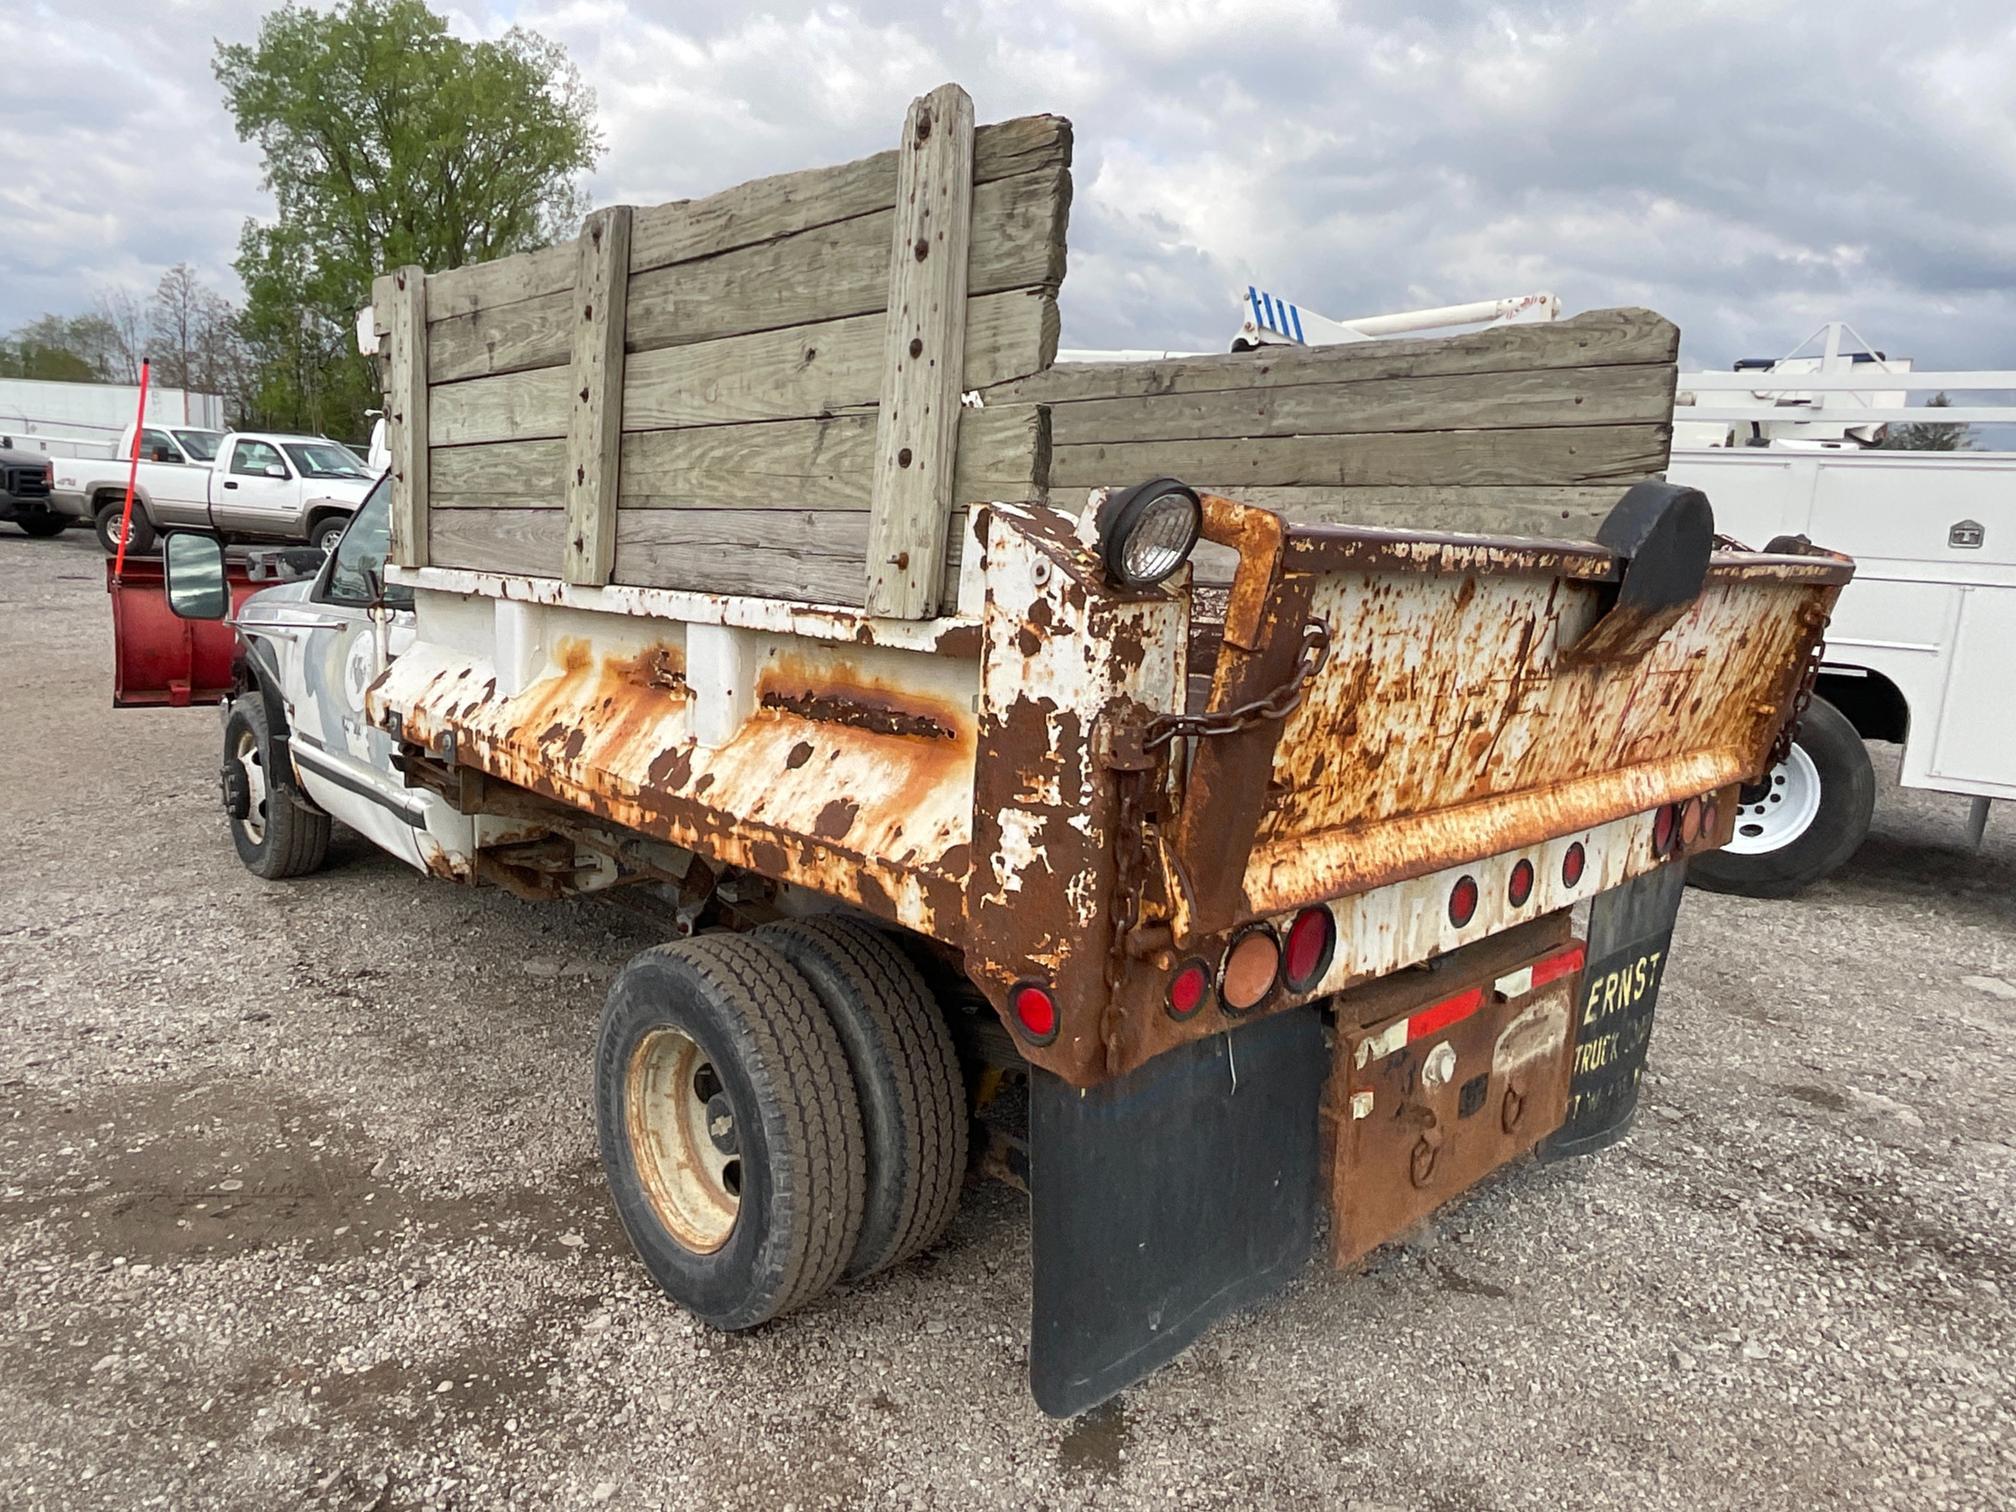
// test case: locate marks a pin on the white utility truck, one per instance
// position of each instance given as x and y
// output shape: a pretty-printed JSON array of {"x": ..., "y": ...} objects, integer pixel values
[
  {"x": 1921, "y": 651},
  {"x": 752, "y": 552},
  {"x": 241, "y": 485}
]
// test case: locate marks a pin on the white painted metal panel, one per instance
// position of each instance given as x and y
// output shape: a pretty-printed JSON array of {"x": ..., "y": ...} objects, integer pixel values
[{"x": 1977, "y": 724}]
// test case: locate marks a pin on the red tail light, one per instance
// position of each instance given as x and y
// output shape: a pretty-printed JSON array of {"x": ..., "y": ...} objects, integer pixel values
[
  {"x": 1693, "y": 816},
  {"x": 1463, "y": 901},
  {"x": 1312, "y": 939},
  {"x": 1251, "y": 966},
  {"x": 1572, "y": 864},
  {"x": 1664, "y": 824},
  {"x": 1035, "y": 1012},
  {"x": 1188, "y": 990},
  {"x": 1520, "y": 888}
]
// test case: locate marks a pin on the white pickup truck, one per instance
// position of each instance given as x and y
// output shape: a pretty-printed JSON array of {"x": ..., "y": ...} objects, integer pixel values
[{"x": 242, "y": 486}]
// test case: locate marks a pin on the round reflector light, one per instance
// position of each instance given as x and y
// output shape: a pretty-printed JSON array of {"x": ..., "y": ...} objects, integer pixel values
[
  {"x": 1663, "y": 826},
  {"x": 1520, "y": 888},
  {"x": 1572, "y": 864},
  {"x": 1149, "y": 531},
  {"x": 1036, "y": 1012},
  {"x": 1691, "y": 817},
  {"x": 1311, "y": 939},
  {"x": 1187, "y": 990},
  {"x": 1250, "y": 968},
  {"x": 1463, "y": 901}
]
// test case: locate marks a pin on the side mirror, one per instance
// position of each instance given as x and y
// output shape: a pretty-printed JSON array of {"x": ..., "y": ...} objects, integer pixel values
[
  {"x": 194, "y": 567},
  {"x": 275, "y": 470},
  {"x": 163, "y": 454}
]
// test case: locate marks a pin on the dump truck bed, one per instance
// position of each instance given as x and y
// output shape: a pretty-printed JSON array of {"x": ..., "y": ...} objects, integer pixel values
[{"x": 975, "y": 778}]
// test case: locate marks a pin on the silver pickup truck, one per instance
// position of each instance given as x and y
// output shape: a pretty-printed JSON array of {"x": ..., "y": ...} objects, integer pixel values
[{"x": 254, "y": 486}]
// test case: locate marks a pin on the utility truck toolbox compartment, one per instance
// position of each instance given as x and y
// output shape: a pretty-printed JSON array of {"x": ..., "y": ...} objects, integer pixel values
[{"x": 1121, "y": 698}]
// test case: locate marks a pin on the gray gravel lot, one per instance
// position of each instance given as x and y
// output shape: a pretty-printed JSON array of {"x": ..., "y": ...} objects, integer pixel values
[{"x": 299, "y": 1204}]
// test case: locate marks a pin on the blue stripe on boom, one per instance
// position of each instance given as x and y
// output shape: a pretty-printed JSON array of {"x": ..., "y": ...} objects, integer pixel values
[{"x": 1296, "y": 315}]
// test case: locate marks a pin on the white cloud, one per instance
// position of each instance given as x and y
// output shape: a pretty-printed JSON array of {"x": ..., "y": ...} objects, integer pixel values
[{"x": 1749, "y": 169}]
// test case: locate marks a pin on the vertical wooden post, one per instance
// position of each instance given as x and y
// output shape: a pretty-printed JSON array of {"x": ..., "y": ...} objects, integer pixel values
[
  {"x": 402, "y": 307},
  {"x": 595, "y": 423},
  {"x": 924, "y": 356}
]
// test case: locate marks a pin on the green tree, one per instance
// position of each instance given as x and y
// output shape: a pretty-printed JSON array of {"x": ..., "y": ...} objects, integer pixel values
[
  {"x": 386, "y": 141},
  {"x": 1930, "y": 435},
  {"x": 66, "y": 348}
]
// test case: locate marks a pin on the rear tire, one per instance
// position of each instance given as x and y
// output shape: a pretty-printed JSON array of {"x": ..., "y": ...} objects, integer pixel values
[
  {"x": 41, "y": 524},
  {"x": 139, "y": 541},
  {"x": 1803, "y": 820},
  {"x": 325, "y": 533},
  {"x": 729, "y": 1128},
  {"x": 278, "y": 832},
  {"x": 913, "y": 1099}
]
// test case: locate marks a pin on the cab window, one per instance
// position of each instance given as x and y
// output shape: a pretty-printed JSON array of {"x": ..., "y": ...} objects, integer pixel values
[
  {"x": 252, "y": 458},
  {"x": 362, "y": 553},
  {"x": 156, "y": 447}
]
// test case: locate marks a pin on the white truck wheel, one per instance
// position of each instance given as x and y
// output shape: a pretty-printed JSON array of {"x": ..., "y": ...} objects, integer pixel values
[{"x": 1806, "y": 816}]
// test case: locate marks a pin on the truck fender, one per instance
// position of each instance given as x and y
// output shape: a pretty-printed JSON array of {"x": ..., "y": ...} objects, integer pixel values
[{"x": 257, "y": 670}]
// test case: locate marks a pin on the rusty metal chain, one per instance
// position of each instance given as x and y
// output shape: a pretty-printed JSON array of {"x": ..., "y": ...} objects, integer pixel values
[
  {"x": 1136, "y": 780},
  {"x": 1278, "y": 704},
  {"x": 1781, "y": 748}
]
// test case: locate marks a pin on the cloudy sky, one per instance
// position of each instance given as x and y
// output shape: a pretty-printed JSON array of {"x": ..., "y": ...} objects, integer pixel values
[{"x": 1750, "y": 169}]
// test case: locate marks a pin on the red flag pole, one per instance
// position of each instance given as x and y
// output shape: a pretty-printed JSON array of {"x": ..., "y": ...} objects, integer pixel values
[{"x": 132, "y": 476}]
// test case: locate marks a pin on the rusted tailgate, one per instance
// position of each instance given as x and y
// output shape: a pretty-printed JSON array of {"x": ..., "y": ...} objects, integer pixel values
[{"x": 1453, "y": 719}]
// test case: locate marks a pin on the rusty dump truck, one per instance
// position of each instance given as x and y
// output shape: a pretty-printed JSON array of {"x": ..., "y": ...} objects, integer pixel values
[{"x": 1098, "y": 744}]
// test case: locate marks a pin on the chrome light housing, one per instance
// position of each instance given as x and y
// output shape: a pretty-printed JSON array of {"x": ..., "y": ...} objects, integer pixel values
[{"x": 1146, "y": 533}]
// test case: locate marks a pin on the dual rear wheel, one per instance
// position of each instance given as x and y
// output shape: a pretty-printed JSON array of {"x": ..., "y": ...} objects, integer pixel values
[{"x": 777, "y": 1110}]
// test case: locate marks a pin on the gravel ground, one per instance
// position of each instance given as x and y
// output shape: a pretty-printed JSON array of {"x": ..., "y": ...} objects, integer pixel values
[{"x": 301, "y": 1204}]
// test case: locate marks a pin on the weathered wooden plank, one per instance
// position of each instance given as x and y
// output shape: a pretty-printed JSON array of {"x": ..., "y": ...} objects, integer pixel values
[
  {"x": 527, "y": 541},
  {"x": 923, "y": 356},
  {"x": 501, "y": 281},
  {"x": 595, "y": 415},
  {"x": 1564, "y": 454},
  {"x": 788, "y": 202},
  {"x": 812, "y": 556},
  {"x": 1467, "y": 401},
  {"x": 817, "y": 369},
  {"x": 773, "y": 375},
  {"x": 1600, "y": 338},
  {"x": 823, "y": 464},
  {"x": 504, "y": 338},
  {"x": 843, "y": 268},
  {"x": 401, "y": 297},
  {"x": 515, "y": 405},
  {"x": 501, "y": 474},
  {"x": 777, "y": 464}
]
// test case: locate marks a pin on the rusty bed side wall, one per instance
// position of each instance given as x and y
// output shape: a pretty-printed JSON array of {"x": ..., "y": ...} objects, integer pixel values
[
  {"x": 846, "y": 768},
  {"x": 1448, "y": 724},
  {"x": 1062, "y": 654}
]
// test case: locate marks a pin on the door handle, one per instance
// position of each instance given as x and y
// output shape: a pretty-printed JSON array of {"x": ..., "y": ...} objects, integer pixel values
[{"x": 229, "y": 484}]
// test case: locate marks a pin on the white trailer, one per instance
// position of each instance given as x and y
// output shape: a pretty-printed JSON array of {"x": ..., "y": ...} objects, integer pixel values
[{"x": 85, "y": 419}]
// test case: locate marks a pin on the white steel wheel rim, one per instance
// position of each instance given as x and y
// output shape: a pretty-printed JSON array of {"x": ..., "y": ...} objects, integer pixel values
[
  {"x": 1788, "y": 802},
  {"x": 675, "y": 1108},
  {"x": 250, "y": 762}
]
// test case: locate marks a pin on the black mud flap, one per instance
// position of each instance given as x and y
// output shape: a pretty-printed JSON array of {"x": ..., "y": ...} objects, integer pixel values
[
  {"x": 1167, "y": 1199},
  {"x": 1630, "y": 940}
]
